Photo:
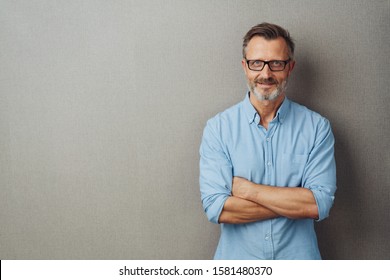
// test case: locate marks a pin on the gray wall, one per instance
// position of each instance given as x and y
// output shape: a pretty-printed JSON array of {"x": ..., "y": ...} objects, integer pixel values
[{"x": 103, "y": 103}]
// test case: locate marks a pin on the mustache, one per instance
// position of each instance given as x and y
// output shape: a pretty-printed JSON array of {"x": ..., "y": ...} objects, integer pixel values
[{"x": 268, "y": 81}]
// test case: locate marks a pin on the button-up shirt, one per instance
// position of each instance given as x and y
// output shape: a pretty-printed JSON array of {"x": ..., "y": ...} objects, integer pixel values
[{"x": 297, "y": 150}]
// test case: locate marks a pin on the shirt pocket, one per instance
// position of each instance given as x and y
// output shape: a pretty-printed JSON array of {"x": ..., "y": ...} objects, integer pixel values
[{"x": 292, "y": 167}]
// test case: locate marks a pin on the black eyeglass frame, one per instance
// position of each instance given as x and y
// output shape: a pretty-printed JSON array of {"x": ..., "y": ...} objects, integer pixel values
[{"x": 267, "y": 63}]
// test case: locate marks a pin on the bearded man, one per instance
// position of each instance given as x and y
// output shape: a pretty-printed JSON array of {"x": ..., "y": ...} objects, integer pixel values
[{"x": 267, "y": 167}]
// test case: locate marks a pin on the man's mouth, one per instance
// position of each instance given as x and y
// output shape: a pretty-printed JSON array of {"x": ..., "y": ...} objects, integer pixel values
[{"x": 266, "y": 82}]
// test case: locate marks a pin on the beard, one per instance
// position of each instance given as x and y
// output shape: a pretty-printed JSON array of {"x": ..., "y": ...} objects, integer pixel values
[{"x": 280, "y": 88}]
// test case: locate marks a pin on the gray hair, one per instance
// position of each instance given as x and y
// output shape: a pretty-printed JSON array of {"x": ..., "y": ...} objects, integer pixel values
[{"x": 269, "y": 31}]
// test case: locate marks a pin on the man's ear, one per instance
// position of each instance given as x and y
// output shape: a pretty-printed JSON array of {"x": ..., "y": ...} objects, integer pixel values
[
  {"x": 243, "y": 63},
  {"x": 292, "y": 65}
]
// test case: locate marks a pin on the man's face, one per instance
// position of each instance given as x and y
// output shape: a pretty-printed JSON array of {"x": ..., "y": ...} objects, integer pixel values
[{"x": 267, "y": 84}]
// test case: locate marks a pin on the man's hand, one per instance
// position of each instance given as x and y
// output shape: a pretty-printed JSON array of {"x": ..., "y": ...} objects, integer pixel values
[{"x": 240, "y": 209}]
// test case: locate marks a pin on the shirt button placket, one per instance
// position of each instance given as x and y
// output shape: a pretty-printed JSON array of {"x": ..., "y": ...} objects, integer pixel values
[
  {"x": 268, "y": 247},
  {"x": 268, "y": 149}
]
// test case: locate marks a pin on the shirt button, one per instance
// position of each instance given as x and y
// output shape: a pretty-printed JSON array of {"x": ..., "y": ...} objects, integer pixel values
[
  {"x": 267, "y": 237},
  {"x": 269, "y": 163},
  {"x": 268, "y": 139}
]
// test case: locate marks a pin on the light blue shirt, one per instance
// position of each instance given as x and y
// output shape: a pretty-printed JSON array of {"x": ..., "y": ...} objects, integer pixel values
[{"x": 297, "y": 150}]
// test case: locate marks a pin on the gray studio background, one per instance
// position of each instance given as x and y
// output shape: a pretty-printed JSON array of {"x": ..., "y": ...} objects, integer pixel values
[{"x": 103, "y": 104}]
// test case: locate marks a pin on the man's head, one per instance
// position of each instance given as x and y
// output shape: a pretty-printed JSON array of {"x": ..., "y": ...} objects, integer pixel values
[{"x": 268, "y": 59}]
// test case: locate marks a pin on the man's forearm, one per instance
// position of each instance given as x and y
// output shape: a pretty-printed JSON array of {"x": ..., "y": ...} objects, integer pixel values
[
  {"x": 294, "y": 203},
  {"x": 238, "y": 211}
]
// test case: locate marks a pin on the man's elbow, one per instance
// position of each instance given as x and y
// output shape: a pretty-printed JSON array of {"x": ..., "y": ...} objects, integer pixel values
[
  {"x": 212, "y": 213},
  {"x": 324, "y": 203},
  {"x": 213, "y": 206},
  {"x": 212, "y": 217}
]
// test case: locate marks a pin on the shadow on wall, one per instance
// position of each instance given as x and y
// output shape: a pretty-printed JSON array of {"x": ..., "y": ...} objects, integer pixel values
[
  {"x": 344, "y": 223},
  {"x": 341, "y": 226},
  {"x": 303, "y": 84}
]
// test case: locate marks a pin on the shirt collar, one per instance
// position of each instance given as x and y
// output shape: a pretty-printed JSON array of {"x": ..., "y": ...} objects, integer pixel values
[
  {"x": 283, "y": 110},
  {"x": 251, "y": 112},
  {"x": 249, "y": 109}
]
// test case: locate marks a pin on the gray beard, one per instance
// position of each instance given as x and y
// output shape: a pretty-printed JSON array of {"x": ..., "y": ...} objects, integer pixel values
[{"x": 271, "y": 96}]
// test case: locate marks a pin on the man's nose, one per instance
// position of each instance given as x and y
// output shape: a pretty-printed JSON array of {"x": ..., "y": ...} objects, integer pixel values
[{"x": 266, "y": 72}]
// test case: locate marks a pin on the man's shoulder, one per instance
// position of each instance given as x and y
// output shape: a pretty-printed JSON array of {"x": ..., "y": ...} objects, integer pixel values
[
  {"x": 227, "y": 116},
  {"x": 301, "y": 110},
  {"x": 307, "y": 120}
]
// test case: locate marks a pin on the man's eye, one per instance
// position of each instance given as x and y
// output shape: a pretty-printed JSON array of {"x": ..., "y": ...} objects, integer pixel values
[
  {"x": 276, "y": 63},
  {"x": 257, "y": 63}
]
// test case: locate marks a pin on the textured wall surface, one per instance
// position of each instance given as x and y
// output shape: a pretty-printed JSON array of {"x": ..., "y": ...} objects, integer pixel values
[{"x": 103, "y": 104}]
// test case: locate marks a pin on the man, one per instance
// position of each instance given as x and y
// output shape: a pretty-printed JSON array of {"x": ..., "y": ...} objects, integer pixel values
[{"x": 267, "y": 168}]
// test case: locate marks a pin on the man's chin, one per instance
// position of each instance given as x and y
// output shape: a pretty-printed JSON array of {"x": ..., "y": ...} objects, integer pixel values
[{"x": 266, "y": 96}]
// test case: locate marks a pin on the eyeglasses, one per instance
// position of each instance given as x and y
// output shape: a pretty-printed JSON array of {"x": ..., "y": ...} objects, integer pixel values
[{"x": 274, "y": 65}]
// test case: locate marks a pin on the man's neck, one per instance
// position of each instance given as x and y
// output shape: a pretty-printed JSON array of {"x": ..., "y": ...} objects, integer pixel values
[{"x": 266, "y": 108}]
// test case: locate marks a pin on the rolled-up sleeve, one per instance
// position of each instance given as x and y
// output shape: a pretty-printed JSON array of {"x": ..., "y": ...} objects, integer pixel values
[
  {"x": 215, "y": 172},
  {"x": 320, "y": 171}
]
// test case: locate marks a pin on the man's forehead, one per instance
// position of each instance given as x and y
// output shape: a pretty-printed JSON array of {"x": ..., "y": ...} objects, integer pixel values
[{"x": 267, "y": 47}]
